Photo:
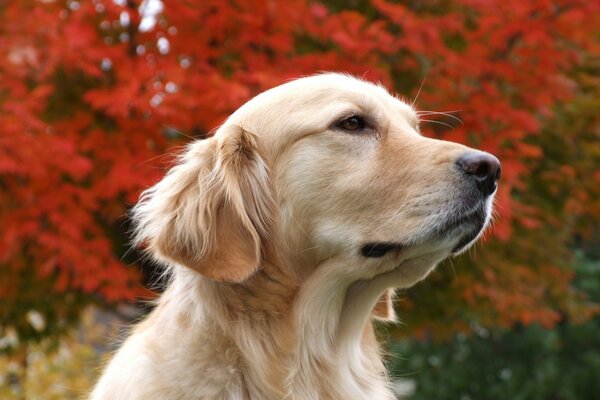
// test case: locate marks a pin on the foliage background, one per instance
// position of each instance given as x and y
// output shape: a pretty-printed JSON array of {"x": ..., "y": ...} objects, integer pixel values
[{"x": 93, "y": 93}]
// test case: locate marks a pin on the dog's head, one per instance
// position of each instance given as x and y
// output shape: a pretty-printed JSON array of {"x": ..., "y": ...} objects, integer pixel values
[{"x": 321, "y": 167}]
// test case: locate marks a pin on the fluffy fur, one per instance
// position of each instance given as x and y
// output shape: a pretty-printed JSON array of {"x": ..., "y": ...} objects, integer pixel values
[{"x": 261, "y": 228}]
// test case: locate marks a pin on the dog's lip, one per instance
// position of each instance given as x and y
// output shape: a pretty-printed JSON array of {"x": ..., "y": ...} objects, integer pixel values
[
  {"x": 477, "y": 214},
  {"x": 379, "y": 249},
  {"x": 466, "y": 225}
]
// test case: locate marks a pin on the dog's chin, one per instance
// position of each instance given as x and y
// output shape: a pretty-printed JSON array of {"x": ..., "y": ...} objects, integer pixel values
[
  {"x": 467, "y": 229},
  {"x": 467, "y": 241}
]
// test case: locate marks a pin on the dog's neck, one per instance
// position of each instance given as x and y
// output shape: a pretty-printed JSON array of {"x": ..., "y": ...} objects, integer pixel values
[{"x": 298, "y": 340}]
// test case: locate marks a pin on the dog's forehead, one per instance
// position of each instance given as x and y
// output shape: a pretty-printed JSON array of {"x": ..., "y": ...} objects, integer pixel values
[{"x": 325, "y": 90}]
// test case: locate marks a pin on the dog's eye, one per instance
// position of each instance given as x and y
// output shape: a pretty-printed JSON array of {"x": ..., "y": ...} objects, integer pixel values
[{"x": 352, "y": 124}]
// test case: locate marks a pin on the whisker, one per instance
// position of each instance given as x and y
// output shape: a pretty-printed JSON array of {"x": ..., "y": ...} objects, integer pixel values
[
  {"x": 308, "y": 249},
  {"x": 394, "y": 215},
  {"x": 437, "y": 122},
  {"x": 444, "y": 113},
  {"x": 452, "y": 265},
  {"x": 179, "y": 131},
  {"x": 172, "y": 154},
  {"x": 418, "y": 92}
]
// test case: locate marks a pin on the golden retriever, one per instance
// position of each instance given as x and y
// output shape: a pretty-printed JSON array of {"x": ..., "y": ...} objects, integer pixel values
[{"x": 283, "y": 234}]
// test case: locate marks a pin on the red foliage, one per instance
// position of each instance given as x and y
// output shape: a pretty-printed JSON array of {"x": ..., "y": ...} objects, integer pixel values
[{"x": 88, "y": 100}]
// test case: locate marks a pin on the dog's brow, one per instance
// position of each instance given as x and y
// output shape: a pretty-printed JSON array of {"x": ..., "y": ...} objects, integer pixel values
[
  {"x": 407, "y": 113},
  {"x": 414, "y": 121}
]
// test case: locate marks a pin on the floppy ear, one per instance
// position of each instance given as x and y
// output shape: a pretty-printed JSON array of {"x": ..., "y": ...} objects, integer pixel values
[
  {"x": 384, "y": 308},
  {"x": 212, "y": 211}
]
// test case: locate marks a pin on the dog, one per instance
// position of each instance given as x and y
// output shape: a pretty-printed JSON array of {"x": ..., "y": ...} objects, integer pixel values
[{"x": 284, "y": 235}]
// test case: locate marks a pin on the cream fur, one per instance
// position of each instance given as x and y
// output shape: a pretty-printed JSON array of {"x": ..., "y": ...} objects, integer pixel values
[{"x": 261, "y": 228}]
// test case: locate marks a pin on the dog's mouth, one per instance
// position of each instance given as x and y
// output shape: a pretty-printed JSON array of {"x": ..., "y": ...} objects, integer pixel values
[
  {"x": 467, "y": 226},
  {"x": 379, "y": 249}
]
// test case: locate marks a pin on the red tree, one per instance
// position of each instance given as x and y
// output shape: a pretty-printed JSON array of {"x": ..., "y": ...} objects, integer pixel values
[{"x": 92, "y": 92}]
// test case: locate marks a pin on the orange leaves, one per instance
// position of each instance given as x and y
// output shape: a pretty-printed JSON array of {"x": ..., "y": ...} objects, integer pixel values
[
  {"x": 517, "y": 294},
  {"x": 358, "y": 37},
  {"x": 117, "y": 102}
]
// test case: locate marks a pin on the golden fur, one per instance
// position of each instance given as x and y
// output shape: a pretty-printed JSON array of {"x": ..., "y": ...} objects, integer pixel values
[{"x": 261, "y": 227}]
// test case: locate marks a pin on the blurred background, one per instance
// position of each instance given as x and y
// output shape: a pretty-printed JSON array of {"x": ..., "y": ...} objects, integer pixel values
[{"x": 97, "y": 96}]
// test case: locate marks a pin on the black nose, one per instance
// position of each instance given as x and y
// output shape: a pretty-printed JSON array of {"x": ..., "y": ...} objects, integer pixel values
[{"x": 483, "y": 168}]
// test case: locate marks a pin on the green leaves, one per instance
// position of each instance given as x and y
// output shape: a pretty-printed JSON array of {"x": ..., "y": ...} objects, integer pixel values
[{"x": 88, "y": 103}]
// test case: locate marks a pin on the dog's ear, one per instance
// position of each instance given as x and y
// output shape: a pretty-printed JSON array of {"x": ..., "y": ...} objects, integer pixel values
[
  {"x": 384, "y": 308},
  {"x": 212, "y": 211}
]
